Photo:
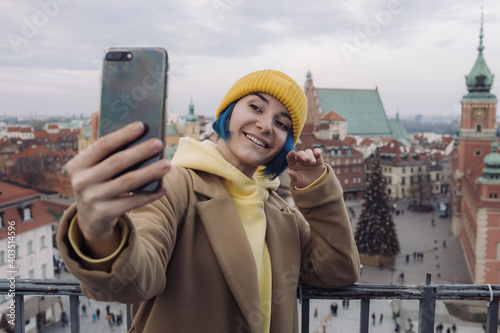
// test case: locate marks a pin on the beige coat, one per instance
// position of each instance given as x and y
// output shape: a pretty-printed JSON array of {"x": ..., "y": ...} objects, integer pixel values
[{"x": 188, "y": 266}]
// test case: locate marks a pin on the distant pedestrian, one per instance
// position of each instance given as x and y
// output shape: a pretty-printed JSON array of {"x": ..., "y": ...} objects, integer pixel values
[
  {"x": 444, "y": 243},
  {"x": 94, "y": 316},
  {"x": 414, "y": 255},
  {"x": 107, "y": 310},
  {"x": 333, "y": 309},
  {"x": 397, "y": 328},
  {"x": 64, "y": 319},
  {"x": 448, "y": 330},
  {"x": 374, "y": 318},
  {"x": 315, "y": 312},
  {"x": 84, "y": 310},
  {"x": 454, "y": 328},
  {"x": 439, "y": 328},
  {"x": 347, "y": 303},
  {"x": 407, "y": 258},
  {"x": 98, "y": 313},
  {"x": 108, "y": 317},
  {"x": 381, "y": 318},
  {"x": 402, "y": 277}
]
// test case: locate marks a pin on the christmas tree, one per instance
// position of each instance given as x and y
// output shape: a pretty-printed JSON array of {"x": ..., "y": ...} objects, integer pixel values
[{"x": 375, "y": 232}]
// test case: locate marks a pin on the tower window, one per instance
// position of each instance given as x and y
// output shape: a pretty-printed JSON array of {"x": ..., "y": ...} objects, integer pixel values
[
  {"x": 478, "y": 152},
  {"x": 478, "y": 127}
]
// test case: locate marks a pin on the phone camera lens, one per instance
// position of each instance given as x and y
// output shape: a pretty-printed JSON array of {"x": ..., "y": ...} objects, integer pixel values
[{"x": 114, "y": 56}]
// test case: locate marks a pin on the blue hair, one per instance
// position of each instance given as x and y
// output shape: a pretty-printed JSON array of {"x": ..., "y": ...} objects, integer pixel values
[{"x": 273, "y": 168}]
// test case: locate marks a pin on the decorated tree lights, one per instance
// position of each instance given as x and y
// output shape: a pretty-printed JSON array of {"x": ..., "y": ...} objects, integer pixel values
[{"x": 375, "y": 233}]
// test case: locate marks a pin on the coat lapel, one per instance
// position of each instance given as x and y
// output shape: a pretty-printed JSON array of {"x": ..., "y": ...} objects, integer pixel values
[
  {"x": 284, "y": 248},
  {"x": 234, "y": 254}
]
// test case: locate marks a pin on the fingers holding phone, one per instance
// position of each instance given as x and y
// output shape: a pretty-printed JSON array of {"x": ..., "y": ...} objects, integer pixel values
[{"x": 102, "y": 188}]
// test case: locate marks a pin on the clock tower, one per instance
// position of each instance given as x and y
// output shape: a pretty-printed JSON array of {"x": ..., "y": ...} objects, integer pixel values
[
  {"x": 475, "y": 176},
  {"x": 478, "y": 120}
]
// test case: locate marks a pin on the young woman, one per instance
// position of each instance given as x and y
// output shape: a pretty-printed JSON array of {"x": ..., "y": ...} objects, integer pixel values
[{"x": 216, "y": 250}]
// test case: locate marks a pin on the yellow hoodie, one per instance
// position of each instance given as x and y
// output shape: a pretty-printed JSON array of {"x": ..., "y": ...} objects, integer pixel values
[{"x": 248, "y": 196}]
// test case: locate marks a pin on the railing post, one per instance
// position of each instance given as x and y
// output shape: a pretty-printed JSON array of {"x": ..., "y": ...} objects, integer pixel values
[
  {"x": 74, "y": 310},
  {"x": 129, "y": 317},
  {"x": 427, "y": 309},
  {"x": 492, "y": 321},
  {"x": 19, "y": 306},
  {"x": 364, "y": 316},
  {"x": 305, "y": 305}
]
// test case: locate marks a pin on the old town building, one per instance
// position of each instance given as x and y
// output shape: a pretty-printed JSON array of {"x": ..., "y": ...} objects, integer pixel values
[{"x": 475, "y": 185}]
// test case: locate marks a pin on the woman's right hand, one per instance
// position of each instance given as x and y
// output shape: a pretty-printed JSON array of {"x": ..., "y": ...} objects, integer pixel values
[{"x": 101, "y": 198}]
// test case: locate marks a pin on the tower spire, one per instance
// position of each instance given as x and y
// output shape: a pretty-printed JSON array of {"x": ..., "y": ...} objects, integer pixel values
[{"x": 480, "y": 48}]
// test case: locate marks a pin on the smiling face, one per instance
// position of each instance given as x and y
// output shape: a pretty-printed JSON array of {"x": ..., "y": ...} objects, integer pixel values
[{"x": 259, "y": 126}]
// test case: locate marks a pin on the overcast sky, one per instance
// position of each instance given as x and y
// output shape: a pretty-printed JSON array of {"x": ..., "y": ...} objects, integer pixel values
[{"x": 417, "y": 52}]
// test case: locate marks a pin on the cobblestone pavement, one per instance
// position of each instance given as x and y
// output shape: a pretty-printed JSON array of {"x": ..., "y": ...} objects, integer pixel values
[{"x": 442, "y": 257}]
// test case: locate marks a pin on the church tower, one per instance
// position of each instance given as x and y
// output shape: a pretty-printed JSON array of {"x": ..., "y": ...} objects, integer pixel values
[
  {"x": 475, "y": 183},
  {"x": 314, "y": 110},
  {"x": 192, "y": 123},
  {"x": 478, "y": 120}
]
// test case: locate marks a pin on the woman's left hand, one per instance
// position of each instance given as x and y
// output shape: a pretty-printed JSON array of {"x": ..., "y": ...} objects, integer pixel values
[{"x": 305, "y": 166}]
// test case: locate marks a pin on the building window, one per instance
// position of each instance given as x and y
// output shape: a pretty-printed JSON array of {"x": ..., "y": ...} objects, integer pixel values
[
  {"x": 403, "y": 170},
  {"x": 437, "y": 176},
  {"x": 42, "y": 242},
  {"x": 27, "y": 214},
  {"x": 478, "y": 127},
  {"x": 346, "y": 181},
  {"x": 31, "y": 274},
  {"x": 498, "y": 251},
  {"x": 402, "y": 180},
  {"x": 44, "y": 271},
  {"x": 2, "y": 258},
  {"x": 29, "y": 247}
]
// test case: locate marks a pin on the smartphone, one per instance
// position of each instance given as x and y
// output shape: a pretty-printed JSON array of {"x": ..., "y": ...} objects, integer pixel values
[{"x": 134, "y": 88}]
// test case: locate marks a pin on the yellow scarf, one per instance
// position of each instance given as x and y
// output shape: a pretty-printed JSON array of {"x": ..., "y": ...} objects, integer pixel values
[{"x": 248, "y": 196}]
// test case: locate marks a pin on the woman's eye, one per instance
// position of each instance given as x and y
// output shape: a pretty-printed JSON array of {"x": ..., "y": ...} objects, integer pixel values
[
  {"x": 255, "y": 107},
  {"x": 282, "y": 125}
]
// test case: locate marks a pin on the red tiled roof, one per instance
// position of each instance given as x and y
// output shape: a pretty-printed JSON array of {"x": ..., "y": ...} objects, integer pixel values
[
  {"x": 349, "y": 140},
  {"x": 332, "y": 115},
  {"x": 12, "y": 193},
  {"x": 13, "y": 199},
  {"x": 366, "y": 142},
  {"x": 393, "y": 147}
]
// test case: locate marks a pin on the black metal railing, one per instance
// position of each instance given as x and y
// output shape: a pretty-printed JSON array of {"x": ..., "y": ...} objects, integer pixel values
[{"x": 427, "y": 294}]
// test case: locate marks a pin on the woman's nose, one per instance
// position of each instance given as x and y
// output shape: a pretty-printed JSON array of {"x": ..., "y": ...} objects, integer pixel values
[{"x": 265, "y": 124}]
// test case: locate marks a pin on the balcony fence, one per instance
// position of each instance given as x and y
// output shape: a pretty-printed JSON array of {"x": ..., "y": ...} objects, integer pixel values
[{"x": 426, "y": 293}]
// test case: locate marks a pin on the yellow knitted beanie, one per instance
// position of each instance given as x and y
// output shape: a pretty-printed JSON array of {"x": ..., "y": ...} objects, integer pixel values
[{"x": 276, "y": 84}]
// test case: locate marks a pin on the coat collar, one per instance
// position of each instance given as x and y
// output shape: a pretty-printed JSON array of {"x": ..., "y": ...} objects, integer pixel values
[{"x": 233, "y": 252}]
